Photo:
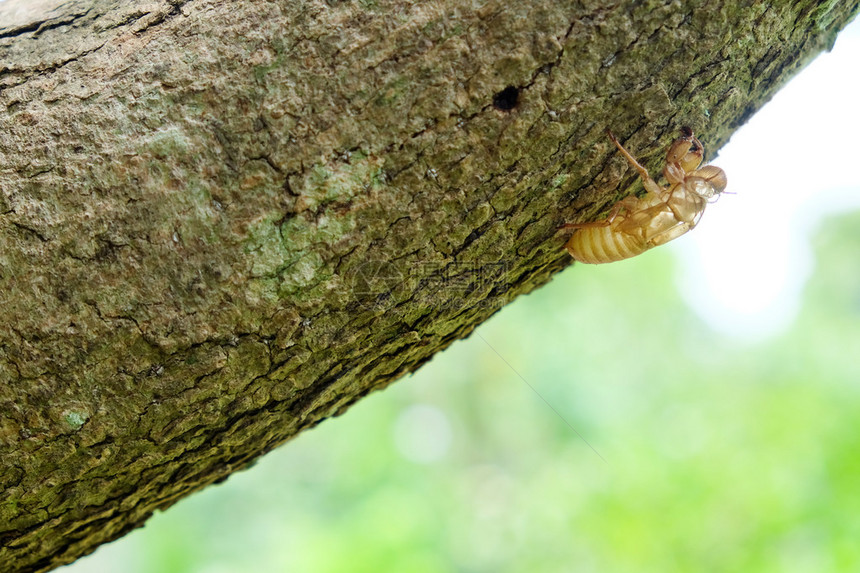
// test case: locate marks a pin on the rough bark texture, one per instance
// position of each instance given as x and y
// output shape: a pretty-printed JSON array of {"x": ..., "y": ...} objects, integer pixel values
[{"x": 223, "y": 222}]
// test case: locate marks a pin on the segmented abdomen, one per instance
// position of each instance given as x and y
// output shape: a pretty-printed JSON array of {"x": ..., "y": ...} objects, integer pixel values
[{"x": 597, "y": 245}]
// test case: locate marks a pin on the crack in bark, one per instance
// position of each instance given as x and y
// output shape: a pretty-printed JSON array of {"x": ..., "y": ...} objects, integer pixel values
[{"x": 40, "y": 26}]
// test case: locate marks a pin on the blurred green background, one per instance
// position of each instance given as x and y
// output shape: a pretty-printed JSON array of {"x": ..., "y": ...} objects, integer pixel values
[{"x": 720, "y": 455}]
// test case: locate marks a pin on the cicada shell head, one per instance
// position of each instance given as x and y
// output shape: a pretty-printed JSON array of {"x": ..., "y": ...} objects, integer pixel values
[
  {"x": 715, "y": 176},
  {"x": 707, "y": 182}
]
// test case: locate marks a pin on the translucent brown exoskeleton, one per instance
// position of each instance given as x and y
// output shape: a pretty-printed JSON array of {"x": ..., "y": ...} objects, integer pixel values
[{"x": 636, "y": 224}]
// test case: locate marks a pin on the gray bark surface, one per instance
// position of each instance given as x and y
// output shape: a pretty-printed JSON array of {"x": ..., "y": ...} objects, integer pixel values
[{"x": 223, "y": 222}]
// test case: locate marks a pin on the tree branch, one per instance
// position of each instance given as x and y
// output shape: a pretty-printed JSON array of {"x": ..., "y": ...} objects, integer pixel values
[{"x": 223, "y": 222}]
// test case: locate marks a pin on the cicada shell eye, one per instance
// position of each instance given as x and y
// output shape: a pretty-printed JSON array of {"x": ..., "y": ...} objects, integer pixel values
[{"x": 701, "y": 187}]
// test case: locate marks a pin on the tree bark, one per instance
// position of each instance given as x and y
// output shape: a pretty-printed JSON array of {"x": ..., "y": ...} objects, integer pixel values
[{"x": 223, "y": 222}]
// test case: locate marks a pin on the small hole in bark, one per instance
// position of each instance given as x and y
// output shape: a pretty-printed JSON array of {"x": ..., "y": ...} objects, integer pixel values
[{"x": 506, "y": 99}]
